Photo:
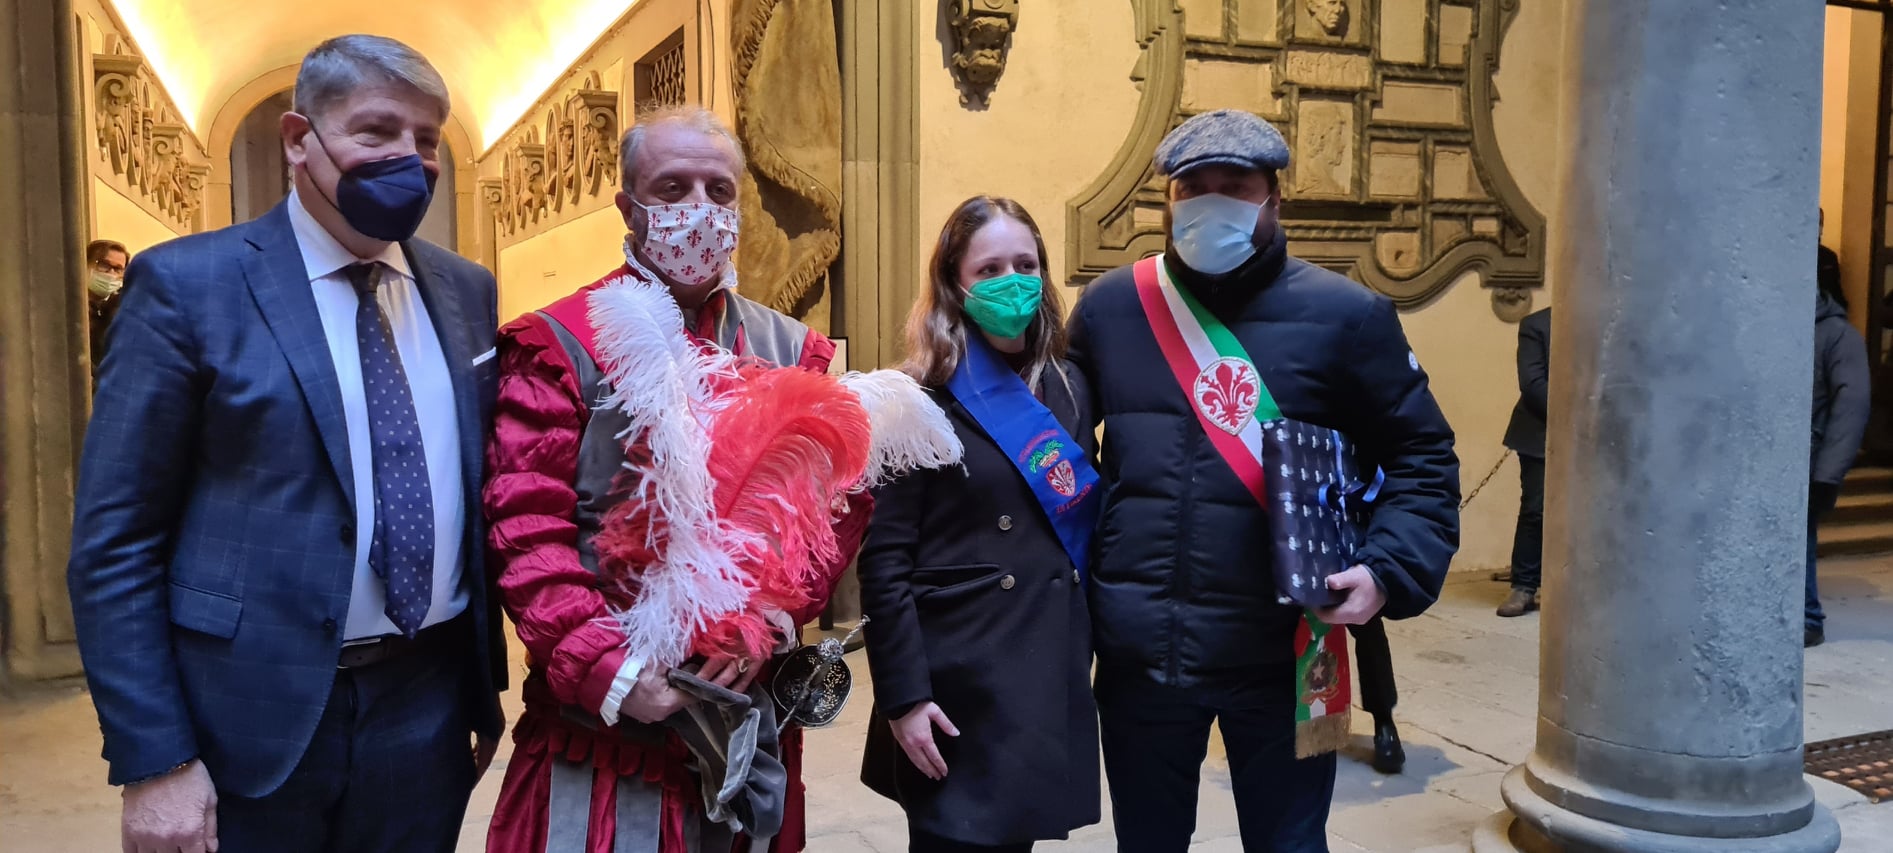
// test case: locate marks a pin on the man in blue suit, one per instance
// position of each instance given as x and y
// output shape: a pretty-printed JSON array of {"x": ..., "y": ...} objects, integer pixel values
[{"x": 277, "y": 564}]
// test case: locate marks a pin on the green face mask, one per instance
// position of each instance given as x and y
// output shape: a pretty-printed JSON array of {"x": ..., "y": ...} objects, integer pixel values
[{"x": 1005, "y": 306}]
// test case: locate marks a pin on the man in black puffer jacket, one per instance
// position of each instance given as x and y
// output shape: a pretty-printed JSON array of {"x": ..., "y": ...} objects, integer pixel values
[{"x": 1184, "y": 607}]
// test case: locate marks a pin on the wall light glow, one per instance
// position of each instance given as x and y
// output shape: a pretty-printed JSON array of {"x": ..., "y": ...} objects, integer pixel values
[
  {"x": 497, "y": 56},
  {"x": 166, "y": 37},
  {"x": 538, "y": 57}
]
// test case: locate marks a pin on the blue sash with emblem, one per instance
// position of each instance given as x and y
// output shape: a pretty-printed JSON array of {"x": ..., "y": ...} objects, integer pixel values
[{"x": 1044, "y": 453}]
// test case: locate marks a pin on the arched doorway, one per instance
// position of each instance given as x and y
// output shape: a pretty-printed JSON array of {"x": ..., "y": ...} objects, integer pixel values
[{"x": 259, "y": 176}]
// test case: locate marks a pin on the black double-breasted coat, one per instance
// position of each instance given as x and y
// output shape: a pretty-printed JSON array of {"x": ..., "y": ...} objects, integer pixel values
[{"x": 974, "y": 604}]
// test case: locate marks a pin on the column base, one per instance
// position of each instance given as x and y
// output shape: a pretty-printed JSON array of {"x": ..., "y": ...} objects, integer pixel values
[{"x": 1535, "y": 825}]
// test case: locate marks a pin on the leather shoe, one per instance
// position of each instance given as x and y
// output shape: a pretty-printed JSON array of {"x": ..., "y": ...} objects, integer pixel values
[
  {"x": 1519, "y": 603},
  {"x": 1389, "y": 757},
  {"x": 1812, "y": 637}
]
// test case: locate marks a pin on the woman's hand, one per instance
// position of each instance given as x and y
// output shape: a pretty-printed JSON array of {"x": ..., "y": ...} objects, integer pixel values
[{"x": 915, "y": 733}]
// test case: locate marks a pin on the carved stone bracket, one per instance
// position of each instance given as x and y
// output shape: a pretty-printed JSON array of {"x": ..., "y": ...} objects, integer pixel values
[
  {"x": 524, "y": 197},
  {"x": 1397, "y": 179},
  {"x": 566, "y": 173},
  {"x": 492, "y": 192},
  {"x": 144, "y": 146},
  {"x": 982, "y": 31},
  {"x": 1511, "y": 304},
  {"x": 595, "y": 110}
]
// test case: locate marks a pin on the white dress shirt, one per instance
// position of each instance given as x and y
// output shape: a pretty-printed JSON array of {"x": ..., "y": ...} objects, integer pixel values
[{"x": 426, "y": 365}]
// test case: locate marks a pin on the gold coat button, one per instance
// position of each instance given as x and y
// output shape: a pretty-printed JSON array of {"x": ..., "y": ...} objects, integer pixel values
[
  {"x": 1006, "y": 582},
  {"x": 1005, "y": 522}
]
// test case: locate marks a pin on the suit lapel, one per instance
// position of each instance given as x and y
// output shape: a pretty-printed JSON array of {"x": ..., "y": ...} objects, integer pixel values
[
  {"x": 444, "y": 309},
  {"x": 280, "y": 285}
]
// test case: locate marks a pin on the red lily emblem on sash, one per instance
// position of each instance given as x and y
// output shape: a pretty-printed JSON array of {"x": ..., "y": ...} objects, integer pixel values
[
  {"x": 1226, "y": 392},
  {"x": 1063, "y": 480}
]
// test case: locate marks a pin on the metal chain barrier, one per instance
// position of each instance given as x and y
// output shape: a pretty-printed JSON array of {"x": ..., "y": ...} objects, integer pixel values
[
  {"x": 1487, "y": 479},
  {"x": 1497, "y": 576}
]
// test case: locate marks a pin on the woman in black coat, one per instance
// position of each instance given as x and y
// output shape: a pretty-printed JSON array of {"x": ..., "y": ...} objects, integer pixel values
[{"x": 977, "y": 621}]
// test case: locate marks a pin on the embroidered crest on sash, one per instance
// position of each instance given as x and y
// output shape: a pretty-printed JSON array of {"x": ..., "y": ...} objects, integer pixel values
[
  {"x": 1226, "y": 392},
  {"x": 1064, "y": 481}
]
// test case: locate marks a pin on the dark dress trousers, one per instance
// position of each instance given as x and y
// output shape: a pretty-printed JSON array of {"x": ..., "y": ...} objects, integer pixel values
[
  {"x": 213, "y": 552},
  {"x": 974, "y": 605}
]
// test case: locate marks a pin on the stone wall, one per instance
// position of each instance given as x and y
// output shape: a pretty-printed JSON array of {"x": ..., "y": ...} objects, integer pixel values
[
  {"x": 116, "y": 217},
  {"x": 148, "y": 167},
  {"x": 1051, "y": 123},
  {"x": 1066, "y": 102}
]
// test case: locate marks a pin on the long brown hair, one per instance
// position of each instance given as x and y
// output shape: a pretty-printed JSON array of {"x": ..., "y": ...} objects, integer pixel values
[{"x": 937, "y": 326}]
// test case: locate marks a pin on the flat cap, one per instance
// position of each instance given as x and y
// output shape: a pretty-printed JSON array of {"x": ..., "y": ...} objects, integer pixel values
[{"x": 1222, "y": 137}]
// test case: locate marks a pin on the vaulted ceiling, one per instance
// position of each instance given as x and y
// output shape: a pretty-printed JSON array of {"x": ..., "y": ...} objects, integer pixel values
[{"x": 497, "y": 56}]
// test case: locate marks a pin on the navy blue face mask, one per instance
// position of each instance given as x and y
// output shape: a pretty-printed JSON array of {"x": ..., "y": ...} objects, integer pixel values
[{"x": 385, "y": 199}]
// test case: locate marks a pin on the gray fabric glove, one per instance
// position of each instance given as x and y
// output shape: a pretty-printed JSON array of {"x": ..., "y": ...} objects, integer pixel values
[{"x": 738, "y": 754}]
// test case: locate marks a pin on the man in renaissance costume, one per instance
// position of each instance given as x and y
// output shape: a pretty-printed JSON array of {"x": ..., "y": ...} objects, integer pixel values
[{"x": 674, "y": 487}]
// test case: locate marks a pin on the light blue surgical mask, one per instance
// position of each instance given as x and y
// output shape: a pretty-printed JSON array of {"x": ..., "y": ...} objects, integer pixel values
[{"x": 1214, "y": 234}]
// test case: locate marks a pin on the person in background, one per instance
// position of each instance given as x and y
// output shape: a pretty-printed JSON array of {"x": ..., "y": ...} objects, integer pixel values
[
  {"x": 1379, "y": 692},
  {"x": 1842, "y": 404},
  {"x": 105, "y": 262},
  {"x": 1526, "y": 437},
  {"x": 973, "y": 580},
  {"x": 277, "y": 576},
  {"x": 1827, "y": 268}
]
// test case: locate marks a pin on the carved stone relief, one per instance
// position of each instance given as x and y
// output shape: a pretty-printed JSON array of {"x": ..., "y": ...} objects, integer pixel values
[
  {"x": 1396, "y": 178},
  {"x": 543, "y": 181},
  {"x": 146, "y": 149},
  {"x": 981, "y": 31}
]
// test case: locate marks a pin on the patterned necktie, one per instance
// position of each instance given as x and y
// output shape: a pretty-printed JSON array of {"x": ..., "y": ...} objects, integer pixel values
[{"x": 403, "y": 551}]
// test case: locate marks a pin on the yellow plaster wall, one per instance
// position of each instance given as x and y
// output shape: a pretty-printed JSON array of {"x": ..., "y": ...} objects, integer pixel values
[
  {"x": 115, "y": 217},
  {"x": 536, "y": 271},
  {"x": 1054, "y": 123},
  {"x": 1063, "y": 107},
  {"x": 1468, "y": 351},
  {"x": 1849, "y": 112}
]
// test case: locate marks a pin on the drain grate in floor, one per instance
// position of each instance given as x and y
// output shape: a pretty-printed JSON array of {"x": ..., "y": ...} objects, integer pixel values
[{"x": 1861, "y": 762}]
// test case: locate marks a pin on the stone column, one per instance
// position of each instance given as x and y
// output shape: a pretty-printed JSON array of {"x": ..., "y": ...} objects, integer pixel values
[
  {"x": 1669, "y": 707},
  {"x": 44, "y": 387},
  {"x": 880, "y": 180}
]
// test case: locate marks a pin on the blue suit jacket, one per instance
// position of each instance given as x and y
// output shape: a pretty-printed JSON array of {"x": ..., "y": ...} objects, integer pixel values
[{"x": 213, "y": 542}]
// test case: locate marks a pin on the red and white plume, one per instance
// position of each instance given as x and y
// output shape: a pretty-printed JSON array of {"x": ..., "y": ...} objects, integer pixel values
[
  {"x": 666, "y": 385},
  {"x": 732, "y": 469}
]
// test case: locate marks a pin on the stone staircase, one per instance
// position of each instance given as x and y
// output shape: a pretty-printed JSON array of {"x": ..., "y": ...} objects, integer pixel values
[{"x": 1862, "y": 522}]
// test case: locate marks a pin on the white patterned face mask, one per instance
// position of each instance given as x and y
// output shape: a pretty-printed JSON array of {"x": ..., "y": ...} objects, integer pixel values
[{"x": 689, "y": 243}]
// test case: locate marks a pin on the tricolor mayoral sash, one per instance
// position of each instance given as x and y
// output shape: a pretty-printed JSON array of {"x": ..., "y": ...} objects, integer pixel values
[
  {"x": 1303, "y": 475},
  {"x": 1044, "y": 453}
]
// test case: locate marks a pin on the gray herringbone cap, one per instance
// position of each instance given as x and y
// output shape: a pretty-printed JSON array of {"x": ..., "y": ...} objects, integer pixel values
[{"x": 1225, "y": 137}]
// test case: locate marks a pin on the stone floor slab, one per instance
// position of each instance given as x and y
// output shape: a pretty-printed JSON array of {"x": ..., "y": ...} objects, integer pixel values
[{"x": 1468, "y": 685}]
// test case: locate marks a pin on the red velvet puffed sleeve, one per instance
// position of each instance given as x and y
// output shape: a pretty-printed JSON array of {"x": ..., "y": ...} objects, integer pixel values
[
  {"x": 817, "y": 353},
  {"x": 530, "y": 503}
]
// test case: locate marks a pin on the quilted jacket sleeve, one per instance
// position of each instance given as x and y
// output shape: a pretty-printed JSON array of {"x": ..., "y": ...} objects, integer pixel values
[
  {"x": 530, "y": 503},
  {"x": 1415, "y": 527}
]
